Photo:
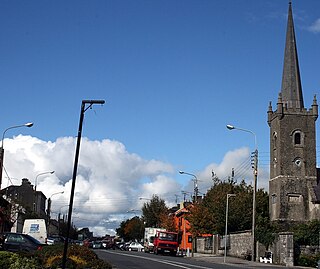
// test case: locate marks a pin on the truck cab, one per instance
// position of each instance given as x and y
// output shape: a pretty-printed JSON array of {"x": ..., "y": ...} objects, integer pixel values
[{"x": 166, "y": 242}]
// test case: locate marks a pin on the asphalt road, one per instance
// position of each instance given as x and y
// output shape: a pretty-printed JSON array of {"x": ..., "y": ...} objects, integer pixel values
[{"x": 141, "y": 260}]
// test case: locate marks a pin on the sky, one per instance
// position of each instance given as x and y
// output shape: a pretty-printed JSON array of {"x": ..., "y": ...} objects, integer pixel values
[{"x": 173, "y": 75}]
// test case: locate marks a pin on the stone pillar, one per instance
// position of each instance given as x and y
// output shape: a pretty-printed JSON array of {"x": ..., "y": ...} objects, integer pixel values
[{"x": 286, "y": 249}]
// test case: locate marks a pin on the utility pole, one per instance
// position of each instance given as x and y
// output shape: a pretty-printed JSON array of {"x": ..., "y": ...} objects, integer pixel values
[{"x": 75, "y": 168}]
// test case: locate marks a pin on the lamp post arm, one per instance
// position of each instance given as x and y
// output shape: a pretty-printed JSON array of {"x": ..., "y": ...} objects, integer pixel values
[
  {"x": 249, "y": 131},
  {"x": 30, "y": 124}
]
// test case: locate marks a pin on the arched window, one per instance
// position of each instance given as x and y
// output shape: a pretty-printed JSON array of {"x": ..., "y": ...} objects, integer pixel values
[
  {"x": 297, "y": 138},
  {"x": 275, "y": 135}
]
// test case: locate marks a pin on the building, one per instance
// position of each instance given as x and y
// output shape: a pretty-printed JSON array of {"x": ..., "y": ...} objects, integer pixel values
[
  {"x": 24, "y": 199},
  {"x": 183, "y": 226},
  {"x": 293, "y": 186}
]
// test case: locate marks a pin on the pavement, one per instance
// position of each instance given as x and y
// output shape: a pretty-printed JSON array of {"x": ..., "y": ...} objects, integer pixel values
[{"x": 239, "y": 261}]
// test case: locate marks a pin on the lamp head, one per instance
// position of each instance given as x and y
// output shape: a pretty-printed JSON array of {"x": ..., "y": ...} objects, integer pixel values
[
  {"x": 230, "y": 127},
  {"x": 181, "y": 172},
  {"x": 29, "y": 124},
  {"x": 51, "y": 172}
]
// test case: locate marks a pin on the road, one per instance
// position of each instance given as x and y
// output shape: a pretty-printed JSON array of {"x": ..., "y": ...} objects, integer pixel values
[{"x": 141, "y": 260}]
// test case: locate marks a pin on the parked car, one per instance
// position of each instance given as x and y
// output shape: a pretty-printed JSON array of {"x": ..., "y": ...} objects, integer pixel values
[
  {"x": 54, "y": 239},
  {"x": 120, "y": 245},
  {"x": 96, "y": 244},
  {"x": 135, "y": 246},
  {"x": 17, "y": 242}
]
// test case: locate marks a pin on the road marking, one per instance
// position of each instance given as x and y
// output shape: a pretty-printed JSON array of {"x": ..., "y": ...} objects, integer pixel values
[{"x": 172, "y": 263}]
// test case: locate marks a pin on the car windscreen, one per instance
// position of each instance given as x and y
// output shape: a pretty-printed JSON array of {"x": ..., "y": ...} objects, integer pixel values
[{"x": 168, "y": 237}]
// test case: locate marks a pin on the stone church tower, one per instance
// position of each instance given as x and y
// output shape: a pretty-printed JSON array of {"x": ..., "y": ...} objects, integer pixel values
[{"x": 294, "y": 194}]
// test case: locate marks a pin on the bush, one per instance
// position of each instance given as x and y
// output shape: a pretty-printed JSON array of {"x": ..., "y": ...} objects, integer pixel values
[
  {"x": 9, "y": 260},
  {"x": 50, "y": 257},
  {"x": 78, "y": 257},
  {"x": 309, "y": 260}
]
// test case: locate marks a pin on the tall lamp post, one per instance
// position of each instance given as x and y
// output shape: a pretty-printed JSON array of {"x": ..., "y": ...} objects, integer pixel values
[
  {"x": 255, "y": 178},
  {"x": 49, "y": 209},
  {"x": 86, "y": 104},
  {"x": 35, "y": 203},
  {"x": 29, "y": 124},
  {"x": 41, "y": 174},
  {"x": 195, "y": 190},
  {"x": 226, "y": 229}
]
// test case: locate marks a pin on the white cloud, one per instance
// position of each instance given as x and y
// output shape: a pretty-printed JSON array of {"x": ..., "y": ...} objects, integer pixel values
[
  {"x": 315, "y": 27},
  {"x": 109, "y": 181}
]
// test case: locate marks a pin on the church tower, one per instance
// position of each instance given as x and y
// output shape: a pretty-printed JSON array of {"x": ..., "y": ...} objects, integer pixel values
[{"x": 293, "y": 191}]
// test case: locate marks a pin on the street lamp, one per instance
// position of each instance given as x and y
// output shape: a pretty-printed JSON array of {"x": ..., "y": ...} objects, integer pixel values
[
  {"x": 85, "y": 105},
  {"x": 29, "y": 124},
  {"x": 195, "y": 193},
  {"x": 41, "y": 174},
  {"x": 255, "y": 178},
  {"x": 226, "y": 230},
  {"x": 143, "y": 198},
  {"x": 35, "y": 203},
  {"x": 49, "y": 208},
  {"x": 195, "y": 184}
]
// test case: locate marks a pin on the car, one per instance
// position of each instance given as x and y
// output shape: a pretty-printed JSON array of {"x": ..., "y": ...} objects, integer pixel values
[
  {"x": 54, "y": 239},
  {"x": 135, "y": 246},
  {"x": 96, "y": 244},
  {"x": 18, "y": 242}
]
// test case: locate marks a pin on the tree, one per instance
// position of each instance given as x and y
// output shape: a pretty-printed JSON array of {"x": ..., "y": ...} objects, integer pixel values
[
  {"x": 131, "y": 229},
  {"x": 167, "y": 222},
  {"x": 307, "y": 233},
  {"x": 209, "y": 215},
  {"x": 153, "y": 210}
]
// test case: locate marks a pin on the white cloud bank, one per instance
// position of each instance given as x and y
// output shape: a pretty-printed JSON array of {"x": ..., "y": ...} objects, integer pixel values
[
  {"x": 109, "y": 181},
  {"x": 315, "y": 27}
]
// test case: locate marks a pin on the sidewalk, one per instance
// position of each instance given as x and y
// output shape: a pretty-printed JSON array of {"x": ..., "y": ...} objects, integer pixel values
[{"x": 233, "y": 260}]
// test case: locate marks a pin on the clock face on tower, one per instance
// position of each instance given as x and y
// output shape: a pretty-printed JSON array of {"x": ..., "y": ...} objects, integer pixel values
[{"x": 298, "y": 162}]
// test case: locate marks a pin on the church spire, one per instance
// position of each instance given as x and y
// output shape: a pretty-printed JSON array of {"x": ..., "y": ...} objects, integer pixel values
[{"x": 291, "y": 89}]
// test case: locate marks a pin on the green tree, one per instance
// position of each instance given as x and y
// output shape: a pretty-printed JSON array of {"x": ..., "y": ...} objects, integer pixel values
[
  {"x": 209, "y": 215},
  {"x": 153, "y": 210},
  {"x": 131, "y": 229},
  {"x": 307, "y": 233}
]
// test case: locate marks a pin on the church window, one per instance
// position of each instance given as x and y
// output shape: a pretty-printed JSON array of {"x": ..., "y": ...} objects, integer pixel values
[
  {"x": 298, "y": 138},
  {"x": 275, "y": 135},
  {"x": 298, "y": 162},
  {"x": 273, "y": 198},
  {"x": 294, "y": 198}
]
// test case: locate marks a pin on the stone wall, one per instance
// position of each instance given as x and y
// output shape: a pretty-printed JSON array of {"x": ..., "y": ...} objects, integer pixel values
[{"x": 239, "y": 245}]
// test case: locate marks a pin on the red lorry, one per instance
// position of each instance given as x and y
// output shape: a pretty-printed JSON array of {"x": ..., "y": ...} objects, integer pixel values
[{"x": 165, "y": 242}]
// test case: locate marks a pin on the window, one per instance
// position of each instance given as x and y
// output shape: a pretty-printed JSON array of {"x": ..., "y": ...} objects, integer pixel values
[
  {"x": 275, "y": 135},
  {"x": 189, "y": 238},
  {"x": 294, "y": 198},
  {"x": 273, "y": 198},
  {"x": 297, "y": 138}
]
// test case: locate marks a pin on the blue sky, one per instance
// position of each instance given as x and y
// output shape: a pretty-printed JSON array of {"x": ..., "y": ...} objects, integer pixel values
[{"x": 173, "y": 74}]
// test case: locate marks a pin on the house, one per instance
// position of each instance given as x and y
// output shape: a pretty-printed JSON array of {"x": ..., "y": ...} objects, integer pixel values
[
  {"x": 24, "y": 199},
  {"x": 183, "y": 226}
]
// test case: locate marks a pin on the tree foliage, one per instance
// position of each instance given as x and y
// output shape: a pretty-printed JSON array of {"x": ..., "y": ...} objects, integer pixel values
[
  {"x": 209, "y": 216},
  {"x": 307, "y": 233},
  {"x": 153, "y": 210},
  {"x": 167, "y": 222},
  {"x": 131, "y": 229}
]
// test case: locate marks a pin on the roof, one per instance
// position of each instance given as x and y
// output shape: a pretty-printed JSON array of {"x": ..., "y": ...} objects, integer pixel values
[{"x": 291, "y": 90}]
